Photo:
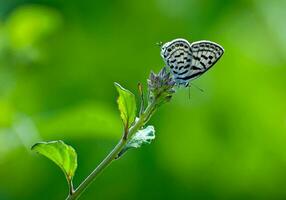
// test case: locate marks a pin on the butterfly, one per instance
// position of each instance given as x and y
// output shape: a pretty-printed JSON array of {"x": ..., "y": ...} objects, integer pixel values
[{"x": 188, "y": 61}]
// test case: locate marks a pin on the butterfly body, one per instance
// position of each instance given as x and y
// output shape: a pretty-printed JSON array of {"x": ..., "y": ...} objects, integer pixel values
[{"x": 188, "y": 61}]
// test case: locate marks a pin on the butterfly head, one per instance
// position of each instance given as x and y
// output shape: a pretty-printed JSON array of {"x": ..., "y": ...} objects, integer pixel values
[{"x": 164, "y": 49}]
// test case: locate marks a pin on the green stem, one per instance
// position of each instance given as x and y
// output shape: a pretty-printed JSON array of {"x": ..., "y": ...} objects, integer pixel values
[
  {"x": 71, "y": 190},
  {"x": 113, "y": 154}
]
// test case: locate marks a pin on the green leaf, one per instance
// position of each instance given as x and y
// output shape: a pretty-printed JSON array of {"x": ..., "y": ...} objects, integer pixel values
[
  {"x": 127, "y": 105},
  {"x": 142, "y": 137},
  {"x": 60, "y": 153}
]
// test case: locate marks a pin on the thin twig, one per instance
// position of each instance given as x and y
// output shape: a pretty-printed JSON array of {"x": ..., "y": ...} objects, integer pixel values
[{"x": 113, "y": 154}]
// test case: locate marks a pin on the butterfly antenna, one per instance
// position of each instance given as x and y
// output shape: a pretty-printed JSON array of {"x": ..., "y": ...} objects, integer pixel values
[{"x": 160, "y": 44}]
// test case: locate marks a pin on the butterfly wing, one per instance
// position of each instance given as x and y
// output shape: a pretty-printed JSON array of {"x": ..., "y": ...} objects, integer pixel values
[
  {"x": 177, "y": 55},
  {"x": 204, "y": 55}
]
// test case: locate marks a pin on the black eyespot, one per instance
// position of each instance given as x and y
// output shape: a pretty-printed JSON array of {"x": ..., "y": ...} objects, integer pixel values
[
  {"x": 169, "y": 49},
  {"x": 181, "y": 44},
  {"x": 177, "y": 45}
]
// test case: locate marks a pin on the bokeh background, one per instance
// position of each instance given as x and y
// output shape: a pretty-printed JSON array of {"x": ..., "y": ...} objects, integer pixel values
[{"x": 58, "y": 62}]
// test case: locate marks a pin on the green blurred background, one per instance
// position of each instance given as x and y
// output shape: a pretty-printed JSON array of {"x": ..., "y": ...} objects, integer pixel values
[{"x": 58, "y": 62}]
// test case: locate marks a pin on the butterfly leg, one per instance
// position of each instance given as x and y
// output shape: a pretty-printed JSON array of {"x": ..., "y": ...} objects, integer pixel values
[{"x": 187, "y": 84}]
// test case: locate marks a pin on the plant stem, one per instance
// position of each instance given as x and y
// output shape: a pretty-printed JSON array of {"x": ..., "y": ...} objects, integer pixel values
[
  {"x": 71, "y": 190},
  {"x": 113, "y": 154},
  {"x": 110, "y": 157}
]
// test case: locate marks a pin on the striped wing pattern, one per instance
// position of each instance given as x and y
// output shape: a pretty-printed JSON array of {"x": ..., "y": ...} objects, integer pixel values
[{"x": 189, "y": 61}]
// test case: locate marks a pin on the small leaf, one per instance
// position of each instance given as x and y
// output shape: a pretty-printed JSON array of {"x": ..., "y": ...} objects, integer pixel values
[
  {"x": 144, "y": 136},
  {"x": 60, "y": 153},
  {"x": 127, "y": 105}
]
